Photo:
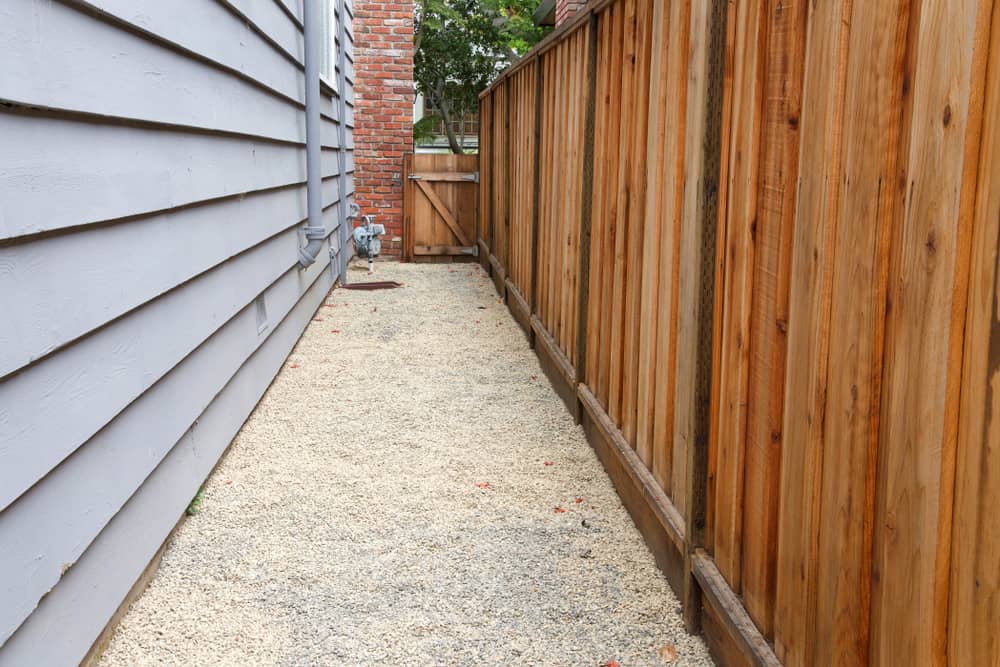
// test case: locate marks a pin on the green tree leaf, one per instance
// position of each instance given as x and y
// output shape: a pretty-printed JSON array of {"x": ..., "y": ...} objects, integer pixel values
[{"x": 460, "y": 46}]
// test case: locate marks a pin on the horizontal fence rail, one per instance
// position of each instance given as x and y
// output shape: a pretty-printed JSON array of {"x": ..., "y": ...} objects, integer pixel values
[{"x": 755, "y": 245}]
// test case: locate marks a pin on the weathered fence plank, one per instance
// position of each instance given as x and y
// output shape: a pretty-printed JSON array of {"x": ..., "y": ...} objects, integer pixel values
[{"x": 759, "y": 242}]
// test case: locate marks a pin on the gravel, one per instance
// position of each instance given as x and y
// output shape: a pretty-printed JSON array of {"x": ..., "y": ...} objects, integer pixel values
[{"x": 410, "y": 491}]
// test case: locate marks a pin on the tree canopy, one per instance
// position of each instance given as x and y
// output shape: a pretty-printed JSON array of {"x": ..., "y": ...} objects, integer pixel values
[{"x": 460, "y": 46}]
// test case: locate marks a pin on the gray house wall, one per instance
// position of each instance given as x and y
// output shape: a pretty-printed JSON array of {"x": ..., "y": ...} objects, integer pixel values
[{"x": 152, "y": 195}]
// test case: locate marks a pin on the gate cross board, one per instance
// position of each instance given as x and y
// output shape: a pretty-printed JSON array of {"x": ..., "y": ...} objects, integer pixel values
[{"x": 439, "y": 206}]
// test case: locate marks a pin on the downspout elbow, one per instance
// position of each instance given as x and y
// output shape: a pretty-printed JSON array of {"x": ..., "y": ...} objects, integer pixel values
[{"x": 314, "y": 241}]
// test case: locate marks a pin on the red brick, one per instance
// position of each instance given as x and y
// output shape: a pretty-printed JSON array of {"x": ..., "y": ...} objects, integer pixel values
[{"x": 383, "y": 116}]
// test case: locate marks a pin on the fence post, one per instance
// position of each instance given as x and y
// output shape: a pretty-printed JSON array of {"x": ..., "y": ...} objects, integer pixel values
[
  {"x": 508, "y": 186},
  {"x": 711, "y": 26},
  {"x": 535, "y": 196},
  {"x": 583, "y": 282},
  {"x": 486, "y": 198}
]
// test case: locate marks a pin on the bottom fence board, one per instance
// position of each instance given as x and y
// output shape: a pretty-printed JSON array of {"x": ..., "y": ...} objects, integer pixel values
[
  {"x": 484, "y": 255},
  {"x": 520, "y": 310},
  {"x": 654, "y": 515},
  {"x": 730, "y": 633},
  {"x": 499, "y": 276},
  {"x": 557, "y": 367}
]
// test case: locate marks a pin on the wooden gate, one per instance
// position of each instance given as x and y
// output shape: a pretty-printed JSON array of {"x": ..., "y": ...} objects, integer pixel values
[{"x": 440, "y": 196}]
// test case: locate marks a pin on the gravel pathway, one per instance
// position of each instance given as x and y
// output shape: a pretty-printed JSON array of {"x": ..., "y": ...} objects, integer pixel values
[{"x": 410, "y": 491}]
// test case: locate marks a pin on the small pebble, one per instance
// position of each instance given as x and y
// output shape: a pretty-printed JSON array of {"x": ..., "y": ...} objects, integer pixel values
[{"x": 359, "y": 526}]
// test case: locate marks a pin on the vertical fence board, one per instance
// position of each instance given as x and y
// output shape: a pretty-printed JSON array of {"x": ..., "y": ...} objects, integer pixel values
[
  {"x": 737, "y": 289},
  {"x": 598, "y": 259},
  {"x": 774, "y": 219},
  {"x": 653, "y": 229},
  {"x": 871, "y": 146},
  {"x": 975, "y": 579},
  {"x": 609, "y": 208},
  {"x": 639, "y": 54},
  {"x": 808, "y": 330},
  {"x": 755, "y": 261},
  {"x": 923, "y": 339},
  {"x": 619, "y": 297},
  {"x": 484, "y": 224}
]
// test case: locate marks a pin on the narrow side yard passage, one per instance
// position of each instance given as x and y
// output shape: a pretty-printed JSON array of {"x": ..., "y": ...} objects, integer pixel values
[{"x": 410, "y": 491}]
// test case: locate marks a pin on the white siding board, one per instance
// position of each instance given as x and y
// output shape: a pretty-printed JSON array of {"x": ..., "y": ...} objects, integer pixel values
[
  {"x": 55, "y": 405},
  {"x": 156, "y": 170},
  {"x": 294, "y": 6},
  {"x": 71, "y": 616},
  {"x": 62, "y": 173},
  {"x": 73, "y": 61},
  {"x": 57, "y": 518},
  {"x": 112, "y": 274},
  {"x": 271, "y": 20},
  {"x": 212, "y": 31}
]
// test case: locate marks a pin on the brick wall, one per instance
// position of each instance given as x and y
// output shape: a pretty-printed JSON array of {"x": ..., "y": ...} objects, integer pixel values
[
  {"x": 383, "y": 91},
  {"x": 566, "y": 8}
]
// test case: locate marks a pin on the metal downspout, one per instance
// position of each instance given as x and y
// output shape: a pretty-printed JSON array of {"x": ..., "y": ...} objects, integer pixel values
[
  {"x": 345, "y": 231},
  {"x": 315, "y": 231}
]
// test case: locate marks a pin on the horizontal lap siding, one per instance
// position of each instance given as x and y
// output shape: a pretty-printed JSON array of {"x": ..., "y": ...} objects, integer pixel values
[{"x": 152, "y": 189}]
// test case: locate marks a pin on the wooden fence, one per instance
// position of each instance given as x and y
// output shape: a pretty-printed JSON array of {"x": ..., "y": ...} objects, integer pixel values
[{"x": 755, "y": 245}]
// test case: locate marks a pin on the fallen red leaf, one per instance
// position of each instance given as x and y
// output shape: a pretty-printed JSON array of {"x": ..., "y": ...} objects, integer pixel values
[
  {"x": 579, "y": 500},
  {"x": 612, "y": 663},
  {"x": 484, "y": 485},
  {"x": 294, "y": 366},
  {"x": 334, "y": 330},
  {"x": 547, "y": 463},
  {"x": 559, "y": 510}
]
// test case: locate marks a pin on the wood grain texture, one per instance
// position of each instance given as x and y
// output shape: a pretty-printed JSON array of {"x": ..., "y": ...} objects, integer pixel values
[
  {"x": 973, "y": 603},
  {"x": 926, "y": 317},
  {"x": 638, "y": 52},
  {"x": 784, "y": 56},
  {"x": 872, "y": 118},
  {"x": 619, "y": 297},
  {"x": 809, "y": 330},
  {"x": 737, "y": 295},
  {"x": 782, "y": 331}
]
